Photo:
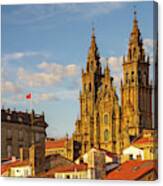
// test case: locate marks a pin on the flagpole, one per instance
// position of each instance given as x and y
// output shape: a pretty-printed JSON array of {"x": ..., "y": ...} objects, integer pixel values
[
  {"x": 30, "y": 104},
  {"x": 32, "y": 148}
]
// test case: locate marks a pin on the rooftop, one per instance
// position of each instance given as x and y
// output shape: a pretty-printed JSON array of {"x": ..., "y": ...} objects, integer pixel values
[
  {"x": 144, "y": 140},
  {"x": 17, "y": 163},
  {"x": 13, "y": 116},
  {"x": 61, "y": 169},
  {"x": 59, "y": 143},
  {"x": 132, "y": 170}
]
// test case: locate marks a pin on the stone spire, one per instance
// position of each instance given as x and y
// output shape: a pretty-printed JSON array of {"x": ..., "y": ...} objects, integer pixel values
[
  {"x": 93, "y": 50},
  {"x": 93, "y": 54},
  {"x": 135, "y": 48}
]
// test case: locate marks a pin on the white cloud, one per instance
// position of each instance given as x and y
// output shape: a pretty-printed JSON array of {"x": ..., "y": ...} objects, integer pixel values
[
  {"x": 51, "y": 73},
  {"x": 115, "y": 66},
  {"x": 69, "y": 70},
  {"x": 10, "y": 87},
  {"x": 68, "y": 94},
  {"x": 148, "y": 42},
  {"x": 114, "y": 62},
  {"x": 18, "y": 55},
  {"x": 46, "y": 97},
  {"x": 37, "y": 79},
  {"x": 149, "y": 46}
]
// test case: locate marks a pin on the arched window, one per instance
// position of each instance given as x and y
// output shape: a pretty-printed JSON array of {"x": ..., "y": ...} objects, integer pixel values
[
  {"x": 106, "y": 118},
  {"x": 8, "y": 117},
  {"x": 145, "y": 78},
  {"x": 91, "y": 66},
  {"x": 20, "y": 119},
  {"x": 9, "y": 134},
  {"x": 106, "y": 135},
  {"x": 98, "y": 119},
  {"x": 9, "y": 151},
  {"x": 126, "y": 77},
  {"x": 37, "y": 137},
  {"x": 132, "y": 76},
  {"x": 134, "y": 51},
  {"x": 139, "y": 76},
  {"x": 89, "y": 86},
  {"x": 20, "y": 135}
]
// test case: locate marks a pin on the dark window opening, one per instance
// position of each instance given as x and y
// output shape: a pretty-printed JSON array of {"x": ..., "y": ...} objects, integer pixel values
[
  {"x": 89, "y": 86},
  {"x": 132, "y": 138},
  {"x": 132, "y": 76},
  {"x": 139, "y": 76},
  {"x": 131, "y": 157},
  {"x": 127, "y": 77}
]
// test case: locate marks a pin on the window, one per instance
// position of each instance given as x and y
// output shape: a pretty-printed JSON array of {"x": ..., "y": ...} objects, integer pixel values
[
  {"x": 98, "y": 119},
  {"x": 20, "y": 135},
  {"x": 139, "y": 76},
  {"x": 81, "y": 160},
  {"x": 131, "y": 138},
  {"x": 134, "y": 51},
  {"x": 9, "y": 134},
  {"x": 132, "y": 76},
  {"x": 8, "y": 117},
  {"x": 9, "y": 151},
  {"x": 91, "y": 66},
  {"x": 37, "y": 137},
  {"x": 106, "y": 135},
  {"x": 20, "y": 119},
  {"x": 127, "y": 77},
  {"x": 106, "y": 118},
  {"x": 145, "y": 78},
  {"x": 89, "y": 86},
  {"x": 131, "y": 157}
]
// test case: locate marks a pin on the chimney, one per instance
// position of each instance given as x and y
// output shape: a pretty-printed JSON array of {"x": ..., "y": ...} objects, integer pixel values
[
  {"x": 21, "y": 153},
  {"x": 32, "y": 158},
  {"x": 13, "y": 159}
]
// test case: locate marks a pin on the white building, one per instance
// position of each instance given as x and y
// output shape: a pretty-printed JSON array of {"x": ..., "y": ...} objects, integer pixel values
[
  {"x": 132, "y": 153},
  {"x": 21, "y": 171}
]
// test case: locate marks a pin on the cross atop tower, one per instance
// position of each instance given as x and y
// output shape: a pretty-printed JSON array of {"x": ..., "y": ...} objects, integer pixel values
[
  {"x": 93, "y": 30},
  {"x": 135, "y": 12}
]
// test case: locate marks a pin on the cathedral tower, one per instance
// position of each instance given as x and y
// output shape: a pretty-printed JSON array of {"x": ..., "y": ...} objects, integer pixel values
[
  {"x": 91, "y": 79},
  {"x": 99, "y": 122},
  {"x": 136, "y": 91}
]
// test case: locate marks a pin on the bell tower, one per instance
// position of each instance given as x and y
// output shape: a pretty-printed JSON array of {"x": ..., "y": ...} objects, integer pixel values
[
  {"x": 136, "y": 91},
  {"x": 91, "y": 80}
]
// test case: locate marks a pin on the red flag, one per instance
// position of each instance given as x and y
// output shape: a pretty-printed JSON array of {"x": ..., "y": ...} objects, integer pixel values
[{"x": 29, "y": 96}]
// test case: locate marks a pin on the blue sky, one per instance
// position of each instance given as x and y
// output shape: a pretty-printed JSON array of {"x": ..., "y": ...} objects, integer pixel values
[{"x": 45, "y": 46}]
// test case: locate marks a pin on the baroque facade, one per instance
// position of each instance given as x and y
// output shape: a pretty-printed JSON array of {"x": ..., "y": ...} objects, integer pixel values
[
  {"x": 23, "y": 137},
  {"x": 103, "y": 122}
]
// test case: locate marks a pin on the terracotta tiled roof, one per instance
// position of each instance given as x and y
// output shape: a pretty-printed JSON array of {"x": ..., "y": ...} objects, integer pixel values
[
  {"x": 132, "y": 170},
  {"x": 6, "y": 166},
  {"x": 69, "y": 168},
  {"x": 50, "y": 144},
  {"x": 144, "y": 141}
]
